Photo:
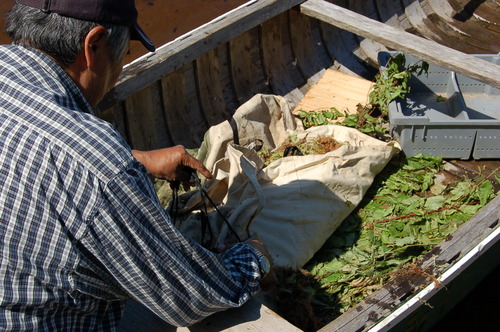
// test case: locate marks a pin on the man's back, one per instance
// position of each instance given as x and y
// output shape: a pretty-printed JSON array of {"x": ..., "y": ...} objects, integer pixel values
[{"x": 51, "y": 158}]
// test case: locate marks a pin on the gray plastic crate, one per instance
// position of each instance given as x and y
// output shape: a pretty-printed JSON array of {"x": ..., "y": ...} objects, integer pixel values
[{"x": 447, "y": 114}]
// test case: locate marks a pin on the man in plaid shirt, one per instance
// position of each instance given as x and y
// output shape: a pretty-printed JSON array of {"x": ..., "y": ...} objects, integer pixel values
[{"x": 81, "y": 228}]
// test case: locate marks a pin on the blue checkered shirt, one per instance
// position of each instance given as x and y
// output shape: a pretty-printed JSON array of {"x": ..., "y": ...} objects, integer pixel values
[{"x": 81, "y": 227}]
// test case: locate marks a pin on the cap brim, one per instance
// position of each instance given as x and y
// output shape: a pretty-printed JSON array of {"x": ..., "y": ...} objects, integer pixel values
[{"x": 136, "y": 33}]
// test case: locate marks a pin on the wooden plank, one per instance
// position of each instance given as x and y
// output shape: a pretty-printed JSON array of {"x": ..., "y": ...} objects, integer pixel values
[
  {"x": 486, "y": 11},
  {"x": 184, "y": 118},
  {"x": 210, "y": 77},
  {"x": 310, "y": 57},
  {"x": 430, "y": 305},
  {"x": 311, "y": 37},
  {"x": 429, "y": 27},
  {"x": 246, "y": 66},
  {"x": 418, "y": 20},
  {"x": 252, "y": 316},
  {"x": 324, "y": 59},
  {"x": 188, "y": 47},
  {"x": 144, "y": 117},
  {"x": 370, "y": 47},
  {"x": 226, "y": 83},
  {"x": 440, "y": 13},
  {"x": 336, "y": 89},
  {"x": 343, "y": 49},
  {"x": 390, "y": 11},
  {"x": 475, "y": 27},
  {"x": 421, "y": 48},
  {"x": 280, "y": 65}
]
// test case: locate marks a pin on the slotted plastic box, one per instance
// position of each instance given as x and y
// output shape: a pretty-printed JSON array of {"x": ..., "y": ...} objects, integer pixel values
[{"x": 447, "y": 114}]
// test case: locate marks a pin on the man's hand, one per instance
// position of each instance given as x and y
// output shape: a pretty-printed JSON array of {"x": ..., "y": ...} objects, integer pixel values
[
  {"x": 269, "y": 281},
  {"x": 172, "y": 164}
]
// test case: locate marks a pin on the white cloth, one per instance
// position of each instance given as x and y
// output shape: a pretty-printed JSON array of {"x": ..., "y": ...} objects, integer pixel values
[{"x": 294, "y": 204}]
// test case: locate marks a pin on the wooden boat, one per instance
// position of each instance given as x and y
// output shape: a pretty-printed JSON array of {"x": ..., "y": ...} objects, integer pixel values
[{"x": 174, "y": 95}]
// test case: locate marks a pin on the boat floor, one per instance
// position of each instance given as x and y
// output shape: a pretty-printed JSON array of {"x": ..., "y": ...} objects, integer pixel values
[{"x": 252, "y": 316}]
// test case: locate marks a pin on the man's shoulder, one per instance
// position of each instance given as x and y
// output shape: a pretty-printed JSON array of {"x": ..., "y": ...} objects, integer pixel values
[{"x": 46, "y": 103}]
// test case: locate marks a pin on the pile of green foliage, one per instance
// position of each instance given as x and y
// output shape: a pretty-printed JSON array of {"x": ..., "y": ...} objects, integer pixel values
[{"x": 405, "y": 213}]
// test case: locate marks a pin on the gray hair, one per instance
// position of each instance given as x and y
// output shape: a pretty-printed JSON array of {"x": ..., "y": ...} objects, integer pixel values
[{"x": 58, "y": 36}]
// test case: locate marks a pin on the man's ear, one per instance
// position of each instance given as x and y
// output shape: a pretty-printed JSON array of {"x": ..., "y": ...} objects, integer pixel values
[{"x": 93, "y": 44}]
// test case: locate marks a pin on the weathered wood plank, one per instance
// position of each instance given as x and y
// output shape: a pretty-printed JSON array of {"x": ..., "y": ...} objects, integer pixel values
[
  {"x": 173, "y": 55},
  {"x": 336, "y": 89},
  {"x": 440, "y": 13},
  {"x": 280, "y": 65},
  {"x": 474, "y": 26},
  {"x": 432, "y": 28},
  {"x": 252, "y": 316},
  {"x": 319, "y": 42},
  {"x": 310, "y": 58},
  {"x": 370, "y": 47},
  {"x": 390, "y": 11},
  {"x": 226, "y": 83},
  {"x": 146, "y": 124},
  {"x": 486, "y": 11},
  {"x": 431, "y": 304},
  {"x": 185, "y": 120},
  {"x": 402, "y": 41},
  {"x": 418, "y": 20},
  {"x": 210, "y": 77},
  {"x": 344, "y": 49},
  {"x": 246, "y": 66}
]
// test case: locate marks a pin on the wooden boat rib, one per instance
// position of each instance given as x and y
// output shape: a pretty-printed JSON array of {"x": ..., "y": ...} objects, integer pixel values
[{"x": 174, "y": 95}]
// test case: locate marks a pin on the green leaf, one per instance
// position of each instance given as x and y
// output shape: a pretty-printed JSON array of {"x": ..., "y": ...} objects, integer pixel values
[
  {"x": 435, "y": 203},
  {"x": 405, "y": 241},
  {"x": 485, "y": 192},
  {"x": 333, "y": 266},
  {"x": 334, "y": 277}
]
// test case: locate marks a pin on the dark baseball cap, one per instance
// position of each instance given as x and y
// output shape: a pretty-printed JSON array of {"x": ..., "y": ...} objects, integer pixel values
[{"x": 119, "y": 12}]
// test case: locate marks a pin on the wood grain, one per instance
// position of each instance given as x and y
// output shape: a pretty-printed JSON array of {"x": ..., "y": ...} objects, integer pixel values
[{"x": 402, "y": 41}]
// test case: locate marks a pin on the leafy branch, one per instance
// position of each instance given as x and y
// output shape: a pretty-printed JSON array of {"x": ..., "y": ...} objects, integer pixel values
[
  {"x": 392, "y": 83},
  {"x": 405, "y": 213},
  {"x": 372, "y": 119}
]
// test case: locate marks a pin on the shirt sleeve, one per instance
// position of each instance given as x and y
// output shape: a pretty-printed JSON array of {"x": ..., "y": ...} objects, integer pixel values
[{"x": 182, "y": 282}]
